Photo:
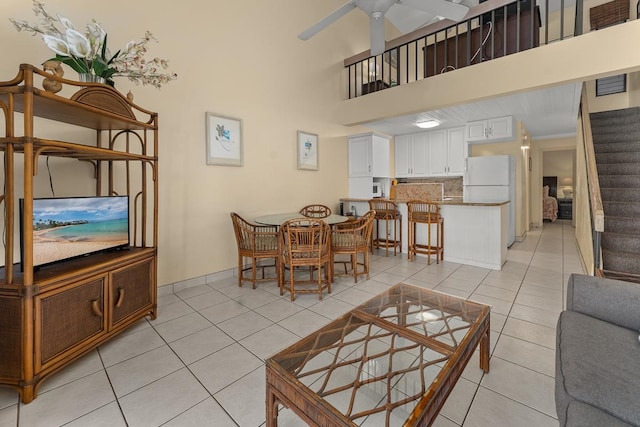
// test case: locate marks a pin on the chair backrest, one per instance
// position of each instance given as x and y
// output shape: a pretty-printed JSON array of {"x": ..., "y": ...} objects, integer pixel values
[
  {"x": 254, "y": 237},
  {"x": 356, "y": 233},
  {"x": 384, "y": 208},
  {"x": 315, "y": 211},
  {"x": 304, "y": 239},
  {"x": 423, "y": 211},
  {"x": 243, "y": 231}
]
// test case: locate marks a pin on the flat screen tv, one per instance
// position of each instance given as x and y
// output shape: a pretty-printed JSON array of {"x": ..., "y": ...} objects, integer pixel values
[{"x": 65, "y": 228}]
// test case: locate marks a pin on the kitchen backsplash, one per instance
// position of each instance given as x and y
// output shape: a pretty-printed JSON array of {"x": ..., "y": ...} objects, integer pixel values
[
  {"x": 452, "y": 187},
  {"x": 419, "y": 191}
]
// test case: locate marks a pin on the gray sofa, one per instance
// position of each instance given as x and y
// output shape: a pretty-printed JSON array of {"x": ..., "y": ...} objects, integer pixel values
[{"x": 598, "y": 354}]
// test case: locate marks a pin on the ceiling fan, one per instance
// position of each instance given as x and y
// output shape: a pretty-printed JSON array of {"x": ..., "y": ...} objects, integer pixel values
[{"x": 397, "y": 11}]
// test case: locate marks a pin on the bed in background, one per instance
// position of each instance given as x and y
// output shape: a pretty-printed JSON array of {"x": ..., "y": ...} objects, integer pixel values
[{"x": 549, "y": 198}]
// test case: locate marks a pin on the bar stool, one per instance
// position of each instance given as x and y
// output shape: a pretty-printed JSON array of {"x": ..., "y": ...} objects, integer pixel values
[
  {"x": 387, "y": 212},
  {"x": 425, "y": 212}
]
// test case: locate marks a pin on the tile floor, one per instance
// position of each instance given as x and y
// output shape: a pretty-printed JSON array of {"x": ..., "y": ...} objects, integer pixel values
[{"x": 202, "y": 361}]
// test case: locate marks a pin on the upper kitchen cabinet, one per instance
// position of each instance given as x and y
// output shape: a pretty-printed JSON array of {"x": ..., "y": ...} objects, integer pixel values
[
  {"x": 447, "y": 152},
  {"x": 411, "y": 155},
  {"x": 369, "y": 155},
  {"x": 491, "y": 130}
]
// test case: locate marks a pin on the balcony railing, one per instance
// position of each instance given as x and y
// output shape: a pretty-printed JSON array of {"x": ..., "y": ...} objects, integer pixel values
[{"x": 490, "y": 30}]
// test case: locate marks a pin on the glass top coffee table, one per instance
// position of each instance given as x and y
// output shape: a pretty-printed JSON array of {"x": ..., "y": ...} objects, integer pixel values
[{"x": 391, "y": 361}]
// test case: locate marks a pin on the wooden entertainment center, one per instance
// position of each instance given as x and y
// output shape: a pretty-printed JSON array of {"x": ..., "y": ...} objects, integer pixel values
[{"x": 52, "y": 315}]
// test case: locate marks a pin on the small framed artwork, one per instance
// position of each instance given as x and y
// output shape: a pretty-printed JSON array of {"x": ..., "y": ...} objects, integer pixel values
[
  {"x": 224, "y": 140},
  {"x": 307, "y": 151}
]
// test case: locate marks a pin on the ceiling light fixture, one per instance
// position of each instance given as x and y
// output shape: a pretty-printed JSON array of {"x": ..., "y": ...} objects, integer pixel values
[{"x": 428, "y": 124}]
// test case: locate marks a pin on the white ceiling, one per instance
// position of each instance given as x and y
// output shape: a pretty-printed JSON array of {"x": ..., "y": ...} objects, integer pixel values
[{"x": 546, "y": 113}]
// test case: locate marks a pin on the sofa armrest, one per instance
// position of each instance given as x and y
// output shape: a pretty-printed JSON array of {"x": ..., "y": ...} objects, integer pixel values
[{"x": 613, "y": 301}]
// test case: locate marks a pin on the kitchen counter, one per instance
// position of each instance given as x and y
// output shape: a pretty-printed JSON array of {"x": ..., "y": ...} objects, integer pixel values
[
  {"x": 445, "y": 201},
  {"x": 474, "y": 233}
]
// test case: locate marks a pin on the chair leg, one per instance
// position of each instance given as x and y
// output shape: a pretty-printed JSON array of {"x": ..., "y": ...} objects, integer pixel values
[
  {"x": 411, "y": 231},
  {"x": 239, "y": 271},
  {"x": 281, "y": 278},
  {"x": 253, "y": 272},
  {"x": 320, "y": 279},
  {"x": 374, "y": 235},
  {"x": 291, "y": 282},
  {"x": 442, "y": 239}
]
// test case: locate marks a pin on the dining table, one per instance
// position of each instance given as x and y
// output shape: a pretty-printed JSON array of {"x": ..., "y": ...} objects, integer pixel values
[{"x": 279, "y": 218}]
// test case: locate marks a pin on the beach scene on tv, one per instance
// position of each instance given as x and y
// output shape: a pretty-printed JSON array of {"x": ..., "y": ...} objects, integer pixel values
[{"x": 69, "y": 227}]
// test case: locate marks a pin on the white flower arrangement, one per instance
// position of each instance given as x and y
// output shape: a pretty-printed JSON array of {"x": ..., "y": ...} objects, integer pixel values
[{"x": 88, "y": 53}]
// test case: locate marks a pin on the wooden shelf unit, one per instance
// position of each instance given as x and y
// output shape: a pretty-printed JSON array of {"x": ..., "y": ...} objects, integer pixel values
[{"x": 54, "y": 314}]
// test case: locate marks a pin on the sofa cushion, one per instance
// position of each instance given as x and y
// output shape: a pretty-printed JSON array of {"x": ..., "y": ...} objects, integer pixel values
[
  {"x": 599, "y": 364},
  {"x": 581, "y": 415}
]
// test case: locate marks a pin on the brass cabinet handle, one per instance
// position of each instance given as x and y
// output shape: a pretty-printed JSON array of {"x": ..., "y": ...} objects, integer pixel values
[
  {"x": 95, "y": 308},
  {"x": 120, "y": 297}
]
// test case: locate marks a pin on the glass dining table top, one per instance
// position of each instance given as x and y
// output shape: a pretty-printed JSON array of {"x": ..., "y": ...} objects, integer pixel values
[{"x": 278, "y": 219}]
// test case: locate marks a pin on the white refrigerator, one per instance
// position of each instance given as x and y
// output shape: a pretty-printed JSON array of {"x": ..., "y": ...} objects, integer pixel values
[{"x": 492, "y": 179}]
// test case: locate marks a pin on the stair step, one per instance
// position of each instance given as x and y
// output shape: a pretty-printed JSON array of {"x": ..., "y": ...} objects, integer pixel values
[
  {"x": 617, "y": 169},
  {"x": 618, "y": 157},
  {"x": 615, "y": 116},
  {"x": 617, "y": 147},
  {"x": 621, "y": 242},
  {"x": 621, "y": 195},
  {"x": 616, "y": 131},
  {"x": 619, "y": 181},
  {"x": 627, "y": 262},
  {"x": 628, "y": 209},
  {"x": 621, "y": 224}
]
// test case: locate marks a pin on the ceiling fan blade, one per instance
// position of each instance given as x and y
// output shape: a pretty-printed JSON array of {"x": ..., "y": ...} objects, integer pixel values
[
  {"x": 376, "y": 27},
  {"x": 328, "y": 20},
  {"x": 444, "y": 8}
]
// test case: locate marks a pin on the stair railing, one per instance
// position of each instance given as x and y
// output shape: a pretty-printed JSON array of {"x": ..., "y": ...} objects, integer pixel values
[
  {"x": 593, "y": 182},
  {"x": 490, "y": 30}
]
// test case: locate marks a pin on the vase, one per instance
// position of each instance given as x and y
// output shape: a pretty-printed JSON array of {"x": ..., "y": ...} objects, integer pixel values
[{"x": 90, "y": 78}]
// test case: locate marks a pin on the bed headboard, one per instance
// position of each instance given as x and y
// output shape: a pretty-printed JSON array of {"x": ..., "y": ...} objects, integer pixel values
[{"x": 552, "y": 182}]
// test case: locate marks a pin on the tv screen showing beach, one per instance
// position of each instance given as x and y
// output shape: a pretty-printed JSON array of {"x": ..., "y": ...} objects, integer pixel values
[{"x": 70, "y": 227}]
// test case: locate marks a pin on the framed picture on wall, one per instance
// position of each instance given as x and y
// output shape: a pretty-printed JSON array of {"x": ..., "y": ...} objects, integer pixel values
[
  {"x": 224, "y": 140},
  {"x": 307, "y": 151}
]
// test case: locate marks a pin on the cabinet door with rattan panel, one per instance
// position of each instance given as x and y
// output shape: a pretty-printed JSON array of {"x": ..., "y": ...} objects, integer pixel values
[
  {"x": 67, "y": 318},
  {"x": 133, "y": 290},
  {"x": 10, "y": 337}
]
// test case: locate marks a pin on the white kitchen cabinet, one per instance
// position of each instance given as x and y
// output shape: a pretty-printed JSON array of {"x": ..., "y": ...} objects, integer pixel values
[
  {"x": 437, "y": 153},
  {"x": 369, "y": 155},
  {"x": 457, "y": 151},
  {"x": 447, "y": 152},
  {"x": 490, "y": 130},
  {"x": 411, "y": 155}
]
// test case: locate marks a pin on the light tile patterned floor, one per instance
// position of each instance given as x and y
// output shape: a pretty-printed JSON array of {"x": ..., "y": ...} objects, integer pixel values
[{"x": 202, "y": 361}]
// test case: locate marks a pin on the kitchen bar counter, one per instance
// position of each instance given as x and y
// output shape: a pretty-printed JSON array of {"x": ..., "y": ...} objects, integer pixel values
[{"x": 474, "y": 233}]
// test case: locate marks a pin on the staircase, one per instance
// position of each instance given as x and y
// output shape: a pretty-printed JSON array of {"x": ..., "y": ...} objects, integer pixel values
[{"x": 616, "y": 140}]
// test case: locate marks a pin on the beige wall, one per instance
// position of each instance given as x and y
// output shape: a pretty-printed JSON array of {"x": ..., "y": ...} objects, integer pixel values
[
  {"x": 241, "y": 59},
  {"x": 582, "y": 210}
]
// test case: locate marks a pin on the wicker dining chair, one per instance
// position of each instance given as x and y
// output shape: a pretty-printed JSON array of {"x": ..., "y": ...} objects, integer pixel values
[
  {"x": 352, "y": 239},
  {"x": 305, "y": 242},
  {"x": 315, "y": 211},
  {"x": 256, "y": 242}
]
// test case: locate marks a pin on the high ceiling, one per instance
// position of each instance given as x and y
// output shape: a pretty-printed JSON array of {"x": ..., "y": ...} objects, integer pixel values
[{"x": 546, "y": 113}]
